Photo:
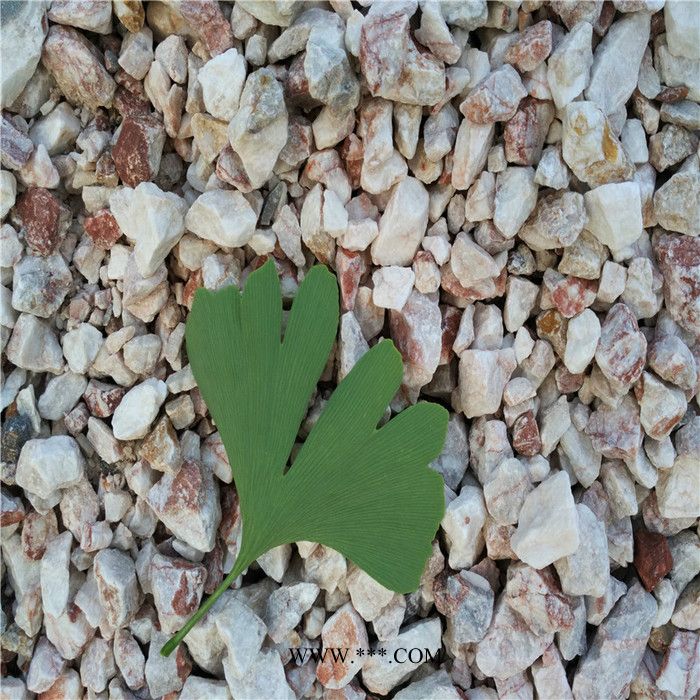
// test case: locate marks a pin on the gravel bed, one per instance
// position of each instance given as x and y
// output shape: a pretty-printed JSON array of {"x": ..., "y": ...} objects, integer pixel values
[{"x": 510, "y": 191}]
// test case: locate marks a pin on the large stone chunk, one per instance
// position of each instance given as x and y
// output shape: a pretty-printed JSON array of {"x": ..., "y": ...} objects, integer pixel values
[
  {"x": 483, "y": 375},
  {"x": 495, "y": 98},
  {"x": 615, "y": 214},
  {"x": 117, "y": 586},
  {"x": 569, "y": 65},
  {"x": 417, "y": 331},
  {"x": 509, "y": 646},
  {"x": 612, "y": 660},
  {"x": 40, "y": 284},
  {"x": 258, "y": 132},
  {"x": 48, "y": 464},
  {"x": 24, "y": 27},
  {"x": 556, "y": 222},
  {"x": 138, "y": 149},
  {"x": 187, "y": 503},
  {"x": 72, "y": 61},
  {"x": 677, "y": 203},
  {"x": 391, "y": 62},
  {"x": 380, "y": 673},
  {"x": 679, "y": 261},
  {"x": 590, "y": 148},
  {"x": 222, "y": 216},
  {"x": 403, "y": 224},
  {"x": 548, "y": 524},
  {"x": 154, "y": 219},
  {"x": 616, "y": 62},
  {"x": 137, "y": 410},
  {"x": 44, "y": 220}
]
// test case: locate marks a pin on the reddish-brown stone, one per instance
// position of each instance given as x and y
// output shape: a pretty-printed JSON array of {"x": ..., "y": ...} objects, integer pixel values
[
  {"x": 102, "y": 228},
  {"x": 137, "y": 151},
  {"x": 44, "y": 219},
  {"x": 525, "y": 133},
  {"x": 652, "y": 557},
  {"x": 526, "y": 435}
]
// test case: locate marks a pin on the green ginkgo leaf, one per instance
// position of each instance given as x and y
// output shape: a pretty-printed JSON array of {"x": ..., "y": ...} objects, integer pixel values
[{"x": 365, "y": 491}]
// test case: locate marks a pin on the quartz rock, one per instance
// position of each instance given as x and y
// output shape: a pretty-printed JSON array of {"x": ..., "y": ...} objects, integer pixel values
[
  {"x": 506, "y": 490},
  {"x": 537, "y": 598},
  {"x": 392, "y": 286},
  {"x": 380, "y": 676},
  {"x": 509, "y": 645},
  {"x": 60, "y": 395},
  {"x": 222, "y": 81},
  {"x": 72, "y": 61},
  {"x": 165, "y": 674},
  {"x": 117, "y": 586},
  {"x": 397, "y": 71},
  {"x": 44, "y": 220},
  {"x": 462, "y": 523},
  {"x": 136, "y": 53},
  {"x": 677, "y": 490},
  {"x": 590, "y": 148},
  {"x": 615, "y": 214},
  {"x": 137, "y": 152},
  {"x": 556, "y": 222},
  {"x": 516, "y": 197},
  {"x": 671, "y": 359},
  {"x": 81, "y": 346},
  {"x": 532, "y": 47},
  {"x": 483, "y": 375},
  {"x": 402, "y": 225},
  {"x": 137, "y": 410},
  {"x": 61, "y": 453},
  {"x": 621, "y": 352},
  {"x": 45, "y": 668},
  {"x": 619, "y": 54},
  {"x": 496, "y": 98},
  {"x": 525, "y": 133},
  {"x": 470, "y": 153},
  {"x": 97, "y": 665},
  {"x": 24, "y": 29},
  {"x": 177, "y": 587},
  {"x": 285, "y": 608},
  {"x": 676, "y": 204},
  {"x": 153, "y": 219},
  {"x": 258, "y": 132},
  {"x": 569, "y": 65},
  {"x": 547, "y": 527},
  {"x": 187, "y": 503},
  {"x": 661, "y": 406},
  {"x": 40, "y": 284},
  {"x": 55, "y": 574},
  {"x": 416, "y": 331},
  {"x": 612, "y": 660},
  {"x": 582, "y": 334},
  {"x": 222, "y": 216},
  {"x": 585, "y": 571},
  {"x": 679, "y": 674}
]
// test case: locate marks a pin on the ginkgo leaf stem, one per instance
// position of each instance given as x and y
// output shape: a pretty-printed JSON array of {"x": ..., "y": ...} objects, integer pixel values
[{"x": 239, "y": 566}]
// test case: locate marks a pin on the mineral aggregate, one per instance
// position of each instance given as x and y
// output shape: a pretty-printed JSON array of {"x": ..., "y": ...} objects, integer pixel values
[{"x": 509, "y": 190}]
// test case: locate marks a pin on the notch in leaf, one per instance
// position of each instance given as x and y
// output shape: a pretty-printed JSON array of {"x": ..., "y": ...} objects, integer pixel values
[{"x": 367, "y": 492}]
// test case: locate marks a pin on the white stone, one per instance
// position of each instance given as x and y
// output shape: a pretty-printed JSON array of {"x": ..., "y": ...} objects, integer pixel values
[
  {"x": 222, "y": 216},
  {"x": 569, "y": 65},
  {"x": 392, "y": 286},
  {"x": 516, "y": 197},
  {"x": 616, "y": 62},
  {"x": 33, "y": 346},
  {"x": 682, "y": 28},
  {"x": 60, "y": 395},
  {"x": 81, "y": 346},
  {"x": 548, "y": 525},
  {"x": 55, "y": 574},
  {"x": 470, "y": 153},
  {"x": 615, "y": 214},
  {"x": 8, "y": 192},
  {"x": 381, "y": 674},
  {"x": 462, "y": 524},
  {"x": 582, "y": 334},
  {"x": 634, "y": 141},
  {"x": 242, "y": 633},
  {"x": 483, "y": 375},
  {"x": 258, "y": 131},
  {"x": 470, "y": 263},
  {"x": 402, "y": 225},
  {"x": 24, "y": 29},
  {"x": 222, "y": 80},
  {"x": 153, "y": 219},
  {"x": 49, "y": 464},
  {"x": 137, "y": 410},
  {"x": 136, "y": 53}
]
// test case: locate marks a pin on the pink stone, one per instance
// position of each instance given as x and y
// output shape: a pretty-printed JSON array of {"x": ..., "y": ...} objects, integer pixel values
[
  {"x": 570, "y": 295},
  {"x": 495, "y": 98},
  {"x": 526, "y": 435},
  {"x": 75, "y": 65},
  {"x": 616, "y": 432},
  {"x": 16, "y": 148},
  {"x": 532, "y": 47},
  {"x": 621, "y": 351},
  {"x": 102, "y": 398},
  {"x": 524, "y": 135},
  {"x": 679, "y": 260}
]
